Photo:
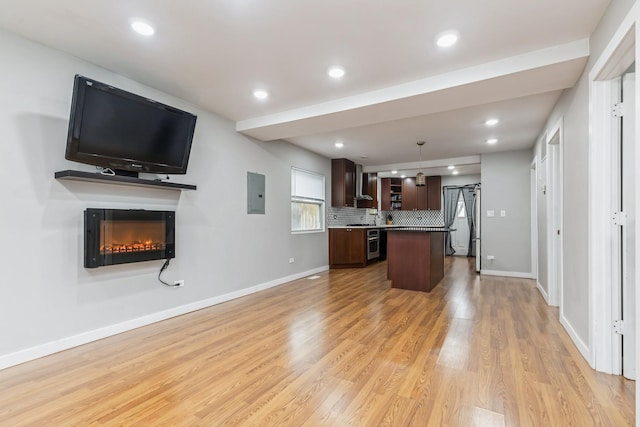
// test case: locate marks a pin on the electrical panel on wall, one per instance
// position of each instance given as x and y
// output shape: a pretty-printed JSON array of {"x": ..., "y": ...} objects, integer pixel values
[{"x": 255, "y": 193}]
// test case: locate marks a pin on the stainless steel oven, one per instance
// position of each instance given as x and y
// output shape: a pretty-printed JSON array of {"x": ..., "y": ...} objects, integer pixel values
[{"x": 373, "y": 243}]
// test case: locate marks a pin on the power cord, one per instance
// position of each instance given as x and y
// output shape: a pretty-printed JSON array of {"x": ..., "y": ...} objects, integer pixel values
[
  {"x": 163, "y": 268},
  {"x": 106, "y": 171}
]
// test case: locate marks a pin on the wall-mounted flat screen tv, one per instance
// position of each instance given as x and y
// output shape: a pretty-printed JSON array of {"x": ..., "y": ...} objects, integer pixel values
[{"x": 115, "y": 129}]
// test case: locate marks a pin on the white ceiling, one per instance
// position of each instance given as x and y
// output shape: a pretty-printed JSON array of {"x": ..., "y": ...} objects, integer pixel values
[{"x": 512, "y": 61}]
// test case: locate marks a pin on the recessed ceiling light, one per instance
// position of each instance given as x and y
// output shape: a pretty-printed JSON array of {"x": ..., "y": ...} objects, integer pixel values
[
  {"x": 451, "y": 167},
  {"x": 447, "y": 39},
  {"x": 336, "y": 72},
  {"x": 394, "y": 172},
  {"x": 455, "y": 172},
  {"x": 339, "y": 144},
  {"x": 363, "y": 156},
  {"x": 260, "y": 94},
  {"x": 142, "y": 27},
  {"x": 403, "y": 176},
  {"x": 491, "y": 122},
  {"x": 492, "y": 141}
]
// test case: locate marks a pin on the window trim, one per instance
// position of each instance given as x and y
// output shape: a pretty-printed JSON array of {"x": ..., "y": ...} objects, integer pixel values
[{"x": 310, "y": 200}]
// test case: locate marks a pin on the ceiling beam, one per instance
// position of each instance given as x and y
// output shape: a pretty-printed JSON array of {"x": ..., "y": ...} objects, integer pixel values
[{"x": 540, "y": 71}]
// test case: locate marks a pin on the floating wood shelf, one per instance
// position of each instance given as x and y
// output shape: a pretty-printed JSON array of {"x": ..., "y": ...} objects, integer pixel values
[{"x": 121, "y": 180}]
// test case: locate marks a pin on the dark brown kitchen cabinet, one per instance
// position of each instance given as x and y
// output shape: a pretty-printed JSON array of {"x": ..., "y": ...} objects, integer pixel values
[
  {"x": 343, "y": 174},
  {"x": 409, "y": 194},
  {"x": 390, "y": 194},
  {"x": 397, "y": 193},
  {"x": 347, "y": 247},
  {"x": 369, "y": 188},
  {"x": 385, "y": 194},
  {"x": 422, "y": 198},
  {"x": 434, "y": 191}
]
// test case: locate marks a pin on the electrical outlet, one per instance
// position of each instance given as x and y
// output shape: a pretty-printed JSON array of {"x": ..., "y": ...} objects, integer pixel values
[
  {"x": 292, "y": 260},
  {"x": 491, "y": 257},
  {"x": 178, "y": 283}
]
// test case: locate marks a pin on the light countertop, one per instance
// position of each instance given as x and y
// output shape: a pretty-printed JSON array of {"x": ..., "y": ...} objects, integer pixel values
[{"x": 393, "y": 226}]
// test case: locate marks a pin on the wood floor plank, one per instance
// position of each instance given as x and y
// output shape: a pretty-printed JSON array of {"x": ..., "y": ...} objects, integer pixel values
[
  {"x": 472, "y": 416},
  {"x": 345, "y": 349}
]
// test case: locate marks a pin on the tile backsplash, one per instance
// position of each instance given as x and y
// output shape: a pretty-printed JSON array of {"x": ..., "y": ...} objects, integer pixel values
[
  {"x": 343, "y": 216},
  {"x": 428, "y": 218}
]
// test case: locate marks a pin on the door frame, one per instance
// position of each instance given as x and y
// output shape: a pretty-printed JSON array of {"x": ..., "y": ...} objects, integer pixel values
[
  {"x": 628, "y": 234},
  {"x": 555, "y": 214},
  {"x": 534, "y": 221},
  {"x": 466, "y": 224},
  {"x": 604, "y": 345}
]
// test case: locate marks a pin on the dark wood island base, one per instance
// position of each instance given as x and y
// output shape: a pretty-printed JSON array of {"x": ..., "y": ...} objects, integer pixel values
[{"x": 415, "y": 258}]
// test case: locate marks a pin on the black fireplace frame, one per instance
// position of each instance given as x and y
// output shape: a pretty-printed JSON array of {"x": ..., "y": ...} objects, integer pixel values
[{"x": 92, "y": 218}]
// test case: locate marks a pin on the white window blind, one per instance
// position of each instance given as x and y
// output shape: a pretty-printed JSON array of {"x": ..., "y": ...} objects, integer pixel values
[
  {"x": 307, "y": 185},
  {"x": 307, "y": 201}
]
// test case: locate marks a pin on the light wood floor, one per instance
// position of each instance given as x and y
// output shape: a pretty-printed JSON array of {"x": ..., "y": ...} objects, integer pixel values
[{"x": 344, "y": 349}]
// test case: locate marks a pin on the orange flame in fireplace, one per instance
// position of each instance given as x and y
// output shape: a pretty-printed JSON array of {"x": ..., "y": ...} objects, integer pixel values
[{"x": 131, "y": 236}]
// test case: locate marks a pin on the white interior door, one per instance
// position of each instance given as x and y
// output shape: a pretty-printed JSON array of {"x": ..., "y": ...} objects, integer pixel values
[
  {"x": 543, "y": 258},
  {"x": 554, "y": 216},
  {"x": 460, "y": 237},
  {"x": 628, "y": 230}
]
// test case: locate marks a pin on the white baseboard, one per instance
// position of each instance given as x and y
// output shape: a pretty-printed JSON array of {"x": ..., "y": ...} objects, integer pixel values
[
  {"x": 506, "y": 274},
  {"x": 543, "y": 292},
  {"x": 51, "y": 347},
  {"x": 582, "y": 347}
]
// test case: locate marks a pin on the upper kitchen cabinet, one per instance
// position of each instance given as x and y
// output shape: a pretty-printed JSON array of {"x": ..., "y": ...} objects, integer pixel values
[
  {"x": 390, "y": 194},
  {"x": 370, "y": 188},
  {"x": 343, "y": 175},
  {"x": 397, "y": 193},
  {"x": 409, "y": 194},
  {"x": 426, "y": 197},
  {"x": 422, "y": 197},
  {"x": 434, "y": 190}
]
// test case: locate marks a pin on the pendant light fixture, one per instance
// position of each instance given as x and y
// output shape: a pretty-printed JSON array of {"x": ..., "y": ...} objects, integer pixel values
[{"x": 420, "y": 179}]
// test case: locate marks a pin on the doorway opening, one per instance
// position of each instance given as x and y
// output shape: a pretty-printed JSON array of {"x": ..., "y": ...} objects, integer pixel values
[
  {"x": 612, "y": 189},
  {"x": 460, "y": 237},
  {"x": 461, "y": 215}
]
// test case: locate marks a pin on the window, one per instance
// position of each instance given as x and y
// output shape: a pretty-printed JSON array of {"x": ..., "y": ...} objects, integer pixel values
[
  {"x": 461, "y": 211},
  {"x": 307, "y": 201}
]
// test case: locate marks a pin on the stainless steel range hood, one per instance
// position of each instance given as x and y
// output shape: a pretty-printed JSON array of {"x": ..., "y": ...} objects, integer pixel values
[{"x": 359, "y": 195}]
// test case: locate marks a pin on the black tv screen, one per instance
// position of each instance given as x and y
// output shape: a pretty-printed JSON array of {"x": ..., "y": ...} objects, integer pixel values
[{"x": 115, "y": 129}]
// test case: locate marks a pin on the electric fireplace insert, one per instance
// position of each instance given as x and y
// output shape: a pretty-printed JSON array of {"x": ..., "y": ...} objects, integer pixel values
[{"x": 120, "y": 236}]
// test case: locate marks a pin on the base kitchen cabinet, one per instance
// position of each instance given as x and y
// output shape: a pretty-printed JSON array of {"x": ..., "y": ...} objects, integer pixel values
[{"x": 347, "y": 247}]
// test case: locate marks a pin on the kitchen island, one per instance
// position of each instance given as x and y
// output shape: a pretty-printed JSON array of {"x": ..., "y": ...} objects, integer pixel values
[{"x": 415, "y": 257}]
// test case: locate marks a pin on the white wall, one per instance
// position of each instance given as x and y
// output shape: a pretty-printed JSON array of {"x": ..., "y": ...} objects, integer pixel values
[
  {"x": 573, "y": 108},
  {"x": 506, "y": 186},
  {"x": 47, "y": 294},
  {"x": 459, "y": 179}
]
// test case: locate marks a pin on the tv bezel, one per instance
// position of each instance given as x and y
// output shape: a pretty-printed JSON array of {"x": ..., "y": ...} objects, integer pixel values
[{"x": 73, "y": 152}]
